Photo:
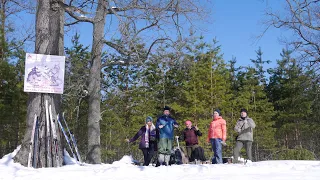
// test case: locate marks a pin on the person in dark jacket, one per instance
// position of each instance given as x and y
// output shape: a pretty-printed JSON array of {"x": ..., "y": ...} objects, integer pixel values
[
  {"x": 165, "y": 124},
  {"x": 148, "y": 141},
  {"x": 244, "y": 128},
  {"x": 190, "y": 136}
]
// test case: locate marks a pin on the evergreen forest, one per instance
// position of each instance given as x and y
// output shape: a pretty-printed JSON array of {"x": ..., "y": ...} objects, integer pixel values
[{"x": 191, "y": 76}]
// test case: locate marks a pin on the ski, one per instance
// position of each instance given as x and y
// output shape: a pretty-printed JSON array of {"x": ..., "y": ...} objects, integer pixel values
[
  {"x": 72, "y": 138},
  {"x": 55, "y": 139},
  {"x": 35, "y": 144},
  {"x": 48, "y": 136},
  {"x": 32, "y": 140},
  {"x": 65, "y": 136},
  {"x": 75, "y": 146}
]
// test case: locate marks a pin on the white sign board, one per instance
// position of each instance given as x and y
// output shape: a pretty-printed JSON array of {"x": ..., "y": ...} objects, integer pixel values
[{"x": 44, "y": 73}]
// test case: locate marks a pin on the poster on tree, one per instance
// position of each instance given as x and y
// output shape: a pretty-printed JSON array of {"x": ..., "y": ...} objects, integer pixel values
[{"x": 44, "y": 73}]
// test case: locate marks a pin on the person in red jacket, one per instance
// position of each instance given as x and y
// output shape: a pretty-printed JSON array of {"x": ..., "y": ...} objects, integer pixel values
[{"x": 217, "y": 135}]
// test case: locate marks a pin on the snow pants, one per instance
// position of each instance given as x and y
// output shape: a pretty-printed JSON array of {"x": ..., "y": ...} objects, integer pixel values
[
  {"x": 238, "y": 147},
  {"x": 165, "y": 150},
  {"x": 165, "y": 146}
]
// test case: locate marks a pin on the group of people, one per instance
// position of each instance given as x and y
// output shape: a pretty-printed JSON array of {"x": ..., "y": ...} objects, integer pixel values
[{"x": 159, "y": 137}]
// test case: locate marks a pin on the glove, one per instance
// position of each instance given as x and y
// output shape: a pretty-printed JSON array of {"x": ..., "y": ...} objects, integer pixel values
[
  {"x": 160, "y": 126},
  {"x": 223, "y": 143}
]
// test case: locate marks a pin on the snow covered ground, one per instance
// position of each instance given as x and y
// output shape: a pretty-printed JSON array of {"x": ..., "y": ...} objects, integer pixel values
[{"x": 123, "y": 169}]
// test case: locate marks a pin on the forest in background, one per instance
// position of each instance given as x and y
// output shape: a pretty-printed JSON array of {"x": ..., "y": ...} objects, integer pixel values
[
  {"x": 193, "y": 79},
  {"x": 283, "y": 101}
]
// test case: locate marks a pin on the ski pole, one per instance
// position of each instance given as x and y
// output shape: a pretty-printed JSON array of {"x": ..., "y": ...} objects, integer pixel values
[{"x": 66, "y": 137}]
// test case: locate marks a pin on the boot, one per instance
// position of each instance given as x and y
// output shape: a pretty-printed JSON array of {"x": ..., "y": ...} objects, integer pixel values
[
  {"x": 197, "y": 161},
  {"x": 161, "y": 158},
  {"x": 167, "y": 159}
]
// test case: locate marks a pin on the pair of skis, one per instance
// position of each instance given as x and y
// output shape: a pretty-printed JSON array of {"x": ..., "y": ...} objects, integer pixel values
[
  {"x": 52, "y": 146},
  {"x": 69, "y": 139}
]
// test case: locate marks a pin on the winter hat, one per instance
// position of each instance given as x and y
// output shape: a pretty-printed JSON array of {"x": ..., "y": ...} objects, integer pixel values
[
  {"x": 243, "y": 110},
  {"x": 148, "y": 119},
  {"x": 218, "y": 111},
  {"x": 188, "y": 122},
  {"x": 166, "y": 108}
]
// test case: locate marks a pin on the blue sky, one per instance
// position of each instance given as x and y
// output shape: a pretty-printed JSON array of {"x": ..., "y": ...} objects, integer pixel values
[{"x": 235, "y": 24}]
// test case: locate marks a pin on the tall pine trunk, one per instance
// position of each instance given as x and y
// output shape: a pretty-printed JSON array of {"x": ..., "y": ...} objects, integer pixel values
[{"x": 49, "y": 41}]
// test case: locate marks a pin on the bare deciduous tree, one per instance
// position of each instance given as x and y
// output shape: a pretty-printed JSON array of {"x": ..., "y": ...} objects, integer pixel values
[
  {"x": 49, "y": 40},
  {"x": 133, "y": 17},
  {"x": 302, "y": 19},
  {"x": 10, "y": 11}
]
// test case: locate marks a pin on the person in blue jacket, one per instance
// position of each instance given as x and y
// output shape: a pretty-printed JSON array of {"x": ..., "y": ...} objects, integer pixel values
[{"x": 165, "y": 124}]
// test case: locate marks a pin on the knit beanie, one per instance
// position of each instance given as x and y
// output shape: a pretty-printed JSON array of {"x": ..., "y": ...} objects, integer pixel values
[
  {"x": 148, "y": 119},
  {"x": 218, "y": 111},
  {"x": 188, "y": 122},
  {"x": 243, "y": 110}
]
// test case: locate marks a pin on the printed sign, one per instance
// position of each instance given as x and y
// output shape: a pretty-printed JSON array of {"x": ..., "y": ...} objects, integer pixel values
[{"x": 44, "y": 73}]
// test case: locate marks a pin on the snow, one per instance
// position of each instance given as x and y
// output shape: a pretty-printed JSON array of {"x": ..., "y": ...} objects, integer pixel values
[{"x": 124, "y": 169}]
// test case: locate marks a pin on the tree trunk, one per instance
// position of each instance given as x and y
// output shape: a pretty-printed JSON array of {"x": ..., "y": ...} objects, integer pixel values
[
  {"x": 2, "y": 30},
  {"x": 94, "y": 116},
  {"x": 49, "y": 40}
]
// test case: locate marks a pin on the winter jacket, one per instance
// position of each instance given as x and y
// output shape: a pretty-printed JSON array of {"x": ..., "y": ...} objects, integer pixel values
[
  {"x": 190, "y": 136},
  {"x": 244, "y": 128},
  {"x": 217, "y": 129},
  {"x": 167, "y": 130},
  {"x": 142, "y": 133}
]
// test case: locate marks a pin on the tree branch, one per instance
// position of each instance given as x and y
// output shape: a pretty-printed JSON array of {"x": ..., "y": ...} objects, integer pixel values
[
  {"x": 72, "y": 23},
  {"x": 117, "y": 47},
  {"x": 155, "y": 42},
  {"x": 71, "y": 11}
]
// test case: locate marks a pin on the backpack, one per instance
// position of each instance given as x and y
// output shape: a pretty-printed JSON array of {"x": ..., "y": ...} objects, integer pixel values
[
  {"x": 176, "y": 157},
  {"x": 198, "y": 153}
]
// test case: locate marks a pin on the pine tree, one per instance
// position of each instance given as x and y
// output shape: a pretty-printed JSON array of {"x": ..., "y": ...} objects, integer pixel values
[
  {"x": 204, "y": 85},
  {"x": 253, "y": 97},
  {"x": 291, "y": 92},
  {"x": 125, "y": 107},
  {"x": 75, "y": 100},
  {"x": 259, "y": 64},
  {"x": 249, "y": 93},
  {"x": 12, "y": 106}
]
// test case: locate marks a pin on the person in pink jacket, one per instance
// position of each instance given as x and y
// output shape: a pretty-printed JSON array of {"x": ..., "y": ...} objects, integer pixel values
[{"x": 217, "y": 135}]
